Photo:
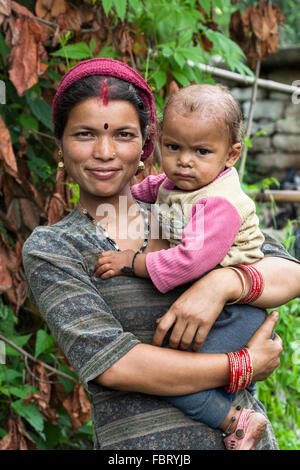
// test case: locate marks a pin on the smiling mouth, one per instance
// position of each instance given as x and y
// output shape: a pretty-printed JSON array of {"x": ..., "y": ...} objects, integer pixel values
[{"x": 104, "y": 173}]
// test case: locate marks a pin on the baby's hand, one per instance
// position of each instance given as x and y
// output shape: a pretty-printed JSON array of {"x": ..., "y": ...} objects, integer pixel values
[{"x": 110, "y": 263}]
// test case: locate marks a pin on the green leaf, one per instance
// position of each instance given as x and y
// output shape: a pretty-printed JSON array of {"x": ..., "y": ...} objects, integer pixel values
[
  {"x": 135, "y": 4},
  {"x": 4, "y": 49},
  {"x": 121, "y": 6},
  {"x": 92, "y": 45},
  {"x": 28, "y": 122},
  {"x": 108, "y": 51},
  {"x": 160, "y": 78},
  {"x": 180, "y": 77},
  {"x": 31, "y": 414},
  {"x": 11, "y": 375},
  {"x": 40, "y": 108},
  {"x": 107, "y": 4},
  {"x": 20, "y": 392},
  {"x": 205, "y": 4},
  {"x": 179, "y": 58},
  {"x": 43, "y": 342},
  {"x": 19, "y": 341},
  {"x": 79, "y": 50},
  {"x": 68, "y": 385}
]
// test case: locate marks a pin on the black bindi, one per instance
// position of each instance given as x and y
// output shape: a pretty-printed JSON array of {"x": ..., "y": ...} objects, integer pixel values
[{"x": 106, "y": 126}]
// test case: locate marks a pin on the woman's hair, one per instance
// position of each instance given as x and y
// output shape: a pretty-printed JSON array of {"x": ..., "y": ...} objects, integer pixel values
[
  {"x": 98, "y": 86},
  {"x": 215, "y": 102}
]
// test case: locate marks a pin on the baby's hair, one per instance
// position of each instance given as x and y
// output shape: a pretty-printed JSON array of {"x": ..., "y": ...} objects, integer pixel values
[{"x": 215, "y": 101}]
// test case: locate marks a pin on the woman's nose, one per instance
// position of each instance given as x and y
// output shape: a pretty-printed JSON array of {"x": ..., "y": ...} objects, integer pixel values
[{"x": 104, "y": 148}]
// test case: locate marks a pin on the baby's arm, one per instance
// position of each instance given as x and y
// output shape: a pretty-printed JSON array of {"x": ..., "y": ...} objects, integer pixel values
[
  {"x": 211, "y": 231},
  {"x": 212, "y": 228},
  {"x": 147, "y": 190},
  {"x": 112, "y": 263}
]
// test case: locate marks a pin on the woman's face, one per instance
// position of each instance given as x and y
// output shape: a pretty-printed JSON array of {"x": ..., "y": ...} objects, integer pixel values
[{"x": 102, "y": 145}]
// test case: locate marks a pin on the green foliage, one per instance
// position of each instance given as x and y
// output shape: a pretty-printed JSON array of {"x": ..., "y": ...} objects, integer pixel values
[
  {"x": 280, "y": 392},
  {"x": 172, "y": 33},
  {"x": 13, "y": 390}
]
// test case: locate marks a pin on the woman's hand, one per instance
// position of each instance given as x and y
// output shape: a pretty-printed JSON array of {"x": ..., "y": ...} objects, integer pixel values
[
  {"x": 265, "y": 352},
  {"x": 196, "y": 310}
]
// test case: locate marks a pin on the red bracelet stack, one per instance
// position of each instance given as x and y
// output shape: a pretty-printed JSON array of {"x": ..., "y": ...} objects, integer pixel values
[
  {"x": 241, "y": 370},
  {"x": 257, "y": 283}
]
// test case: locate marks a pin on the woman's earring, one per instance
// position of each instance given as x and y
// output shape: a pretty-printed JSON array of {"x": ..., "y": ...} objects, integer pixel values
[
  {"x": 141, "y": 166},
  {"x": 61, "y": 164}
]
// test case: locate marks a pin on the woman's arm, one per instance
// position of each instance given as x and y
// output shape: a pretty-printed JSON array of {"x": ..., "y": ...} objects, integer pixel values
[
  {"x": 281, "y": 281},
  {"x": 157, "y": 371},
  {"x": 196, "y": 310}
]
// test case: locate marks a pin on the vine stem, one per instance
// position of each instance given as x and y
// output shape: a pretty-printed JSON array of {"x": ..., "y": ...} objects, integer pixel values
[
  {"x": 250, "y": 120},
  {"x": 28, "y": 355}
]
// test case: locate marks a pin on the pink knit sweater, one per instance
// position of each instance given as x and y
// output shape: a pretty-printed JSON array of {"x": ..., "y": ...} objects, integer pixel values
[{"x": 198, "y": 251}]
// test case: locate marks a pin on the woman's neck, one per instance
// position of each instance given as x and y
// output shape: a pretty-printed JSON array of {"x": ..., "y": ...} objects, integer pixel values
[{"x": 112, "y": 206}]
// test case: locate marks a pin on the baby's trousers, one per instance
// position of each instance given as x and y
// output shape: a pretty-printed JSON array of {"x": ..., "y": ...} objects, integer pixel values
[{"x": 231, "y": 332}]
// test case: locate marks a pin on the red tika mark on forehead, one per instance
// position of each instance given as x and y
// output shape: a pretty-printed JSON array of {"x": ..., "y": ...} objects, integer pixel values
[{"x": 104, "y": 91}]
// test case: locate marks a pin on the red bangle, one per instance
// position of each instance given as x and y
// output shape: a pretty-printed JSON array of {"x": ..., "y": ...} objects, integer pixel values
[
  {"x": 257, "y": 283},
  {"x": 241, "y": 370}
]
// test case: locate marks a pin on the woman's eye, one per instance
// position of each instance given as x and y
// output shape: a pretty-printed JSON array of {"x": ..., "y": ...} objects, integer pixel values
[
  {"x": 202, "y": 151},
  {"x": 125, "y": 134},
  {"x": 84, "y": 134}
]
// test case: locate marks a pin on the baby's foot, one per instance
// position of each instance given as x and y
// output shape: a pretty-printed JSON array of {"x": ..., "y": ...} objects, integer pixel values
[{"x": 249, "y": 431}]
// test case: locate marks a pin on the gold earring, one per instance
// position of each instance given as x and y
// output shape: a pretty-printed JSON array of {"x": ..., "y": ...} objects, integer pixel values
[
  {"x": 60, "y": 164},
  {"x": 141, "y": 166}
]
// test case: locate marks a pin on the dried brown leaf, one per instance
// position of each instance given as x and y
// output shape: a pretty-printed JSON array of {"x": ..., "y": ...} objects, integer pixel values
[
  {"x": 172, "y": 88},
  {"x": 78, "y": 407},
  {"x": 6, "y": 151},
  {"x": 56, "y": 209},
  {"x": 5, "y": 278},
  {"x": 16, "y": 438},
  {"x": 26, "y": 55},
  {"x": 58, "y": 7},
  {"x": 5, "y": 7}
]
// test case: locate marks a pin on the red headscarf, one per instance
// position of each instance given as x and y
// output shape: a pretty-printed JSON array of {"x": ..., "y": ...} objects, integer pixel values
[{"x": 114, "y": 68}]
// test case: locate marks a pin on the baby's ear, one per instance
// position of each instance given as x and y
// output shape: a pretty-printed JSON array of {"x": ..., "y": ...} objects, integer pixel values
[{"x": 233, "y": 154}]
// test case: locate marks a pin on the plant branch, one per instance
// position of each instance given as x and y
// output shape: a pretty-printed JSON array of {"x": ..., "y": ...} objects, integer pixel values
[
  {"x": 250, "y": 120},
  {"x": 29, "y": 356}
]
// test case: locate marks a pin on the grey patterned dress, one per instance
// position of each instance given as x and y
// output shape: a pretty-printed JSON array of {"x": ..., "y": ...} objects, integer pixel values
[{"x": 96, "y": 322}]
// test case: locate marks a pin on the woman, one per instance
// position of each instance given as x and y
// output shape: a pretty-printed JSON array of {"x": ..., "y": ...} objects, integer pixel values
[{"x": 103, "y": 125}]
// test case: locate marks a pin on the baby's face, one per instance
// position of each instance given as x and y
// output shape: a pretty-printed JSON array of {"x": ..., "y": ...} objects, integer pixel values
[{"x": 195, "y": 150}]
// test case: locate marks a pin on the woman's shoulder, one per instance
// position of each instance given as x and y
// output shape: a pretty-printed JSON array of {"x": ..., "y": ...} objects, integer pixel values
[{"x": 56, "y": 238}]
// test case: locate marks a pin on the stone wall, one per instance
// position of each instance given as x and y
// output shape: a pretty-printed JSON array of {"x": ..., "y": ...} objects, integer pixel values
[
  {"x": 279, "y": 149},
  {"x": 275, "y": 113}
]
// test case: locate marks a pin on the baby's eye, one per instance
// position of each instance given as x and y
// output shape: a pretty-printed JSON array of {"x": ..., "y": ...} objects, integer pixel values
[
  {"x": 172, "y": 147},
  {"x": 202, "y": 151}
]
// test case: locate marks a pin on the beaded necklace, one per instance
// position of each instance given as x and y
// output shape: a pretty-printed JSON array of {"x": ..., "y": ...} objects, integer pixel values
[{"x": 105, "y": 234}]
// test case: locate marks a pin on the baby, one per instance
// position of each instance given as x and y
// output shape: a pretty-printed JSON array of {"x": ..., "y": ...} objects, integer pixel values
[{"x": 203, "y": 211}]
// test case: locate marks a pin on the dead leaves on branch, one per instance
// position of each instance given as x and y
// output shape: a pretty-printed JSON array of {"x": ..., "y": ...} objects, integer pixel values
[
  {"x": 50, "y": 395},
  {"x": 16, "y": 438},
  {"x": 256, "y": 30},
  {"x": 24, "y": 35}
]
